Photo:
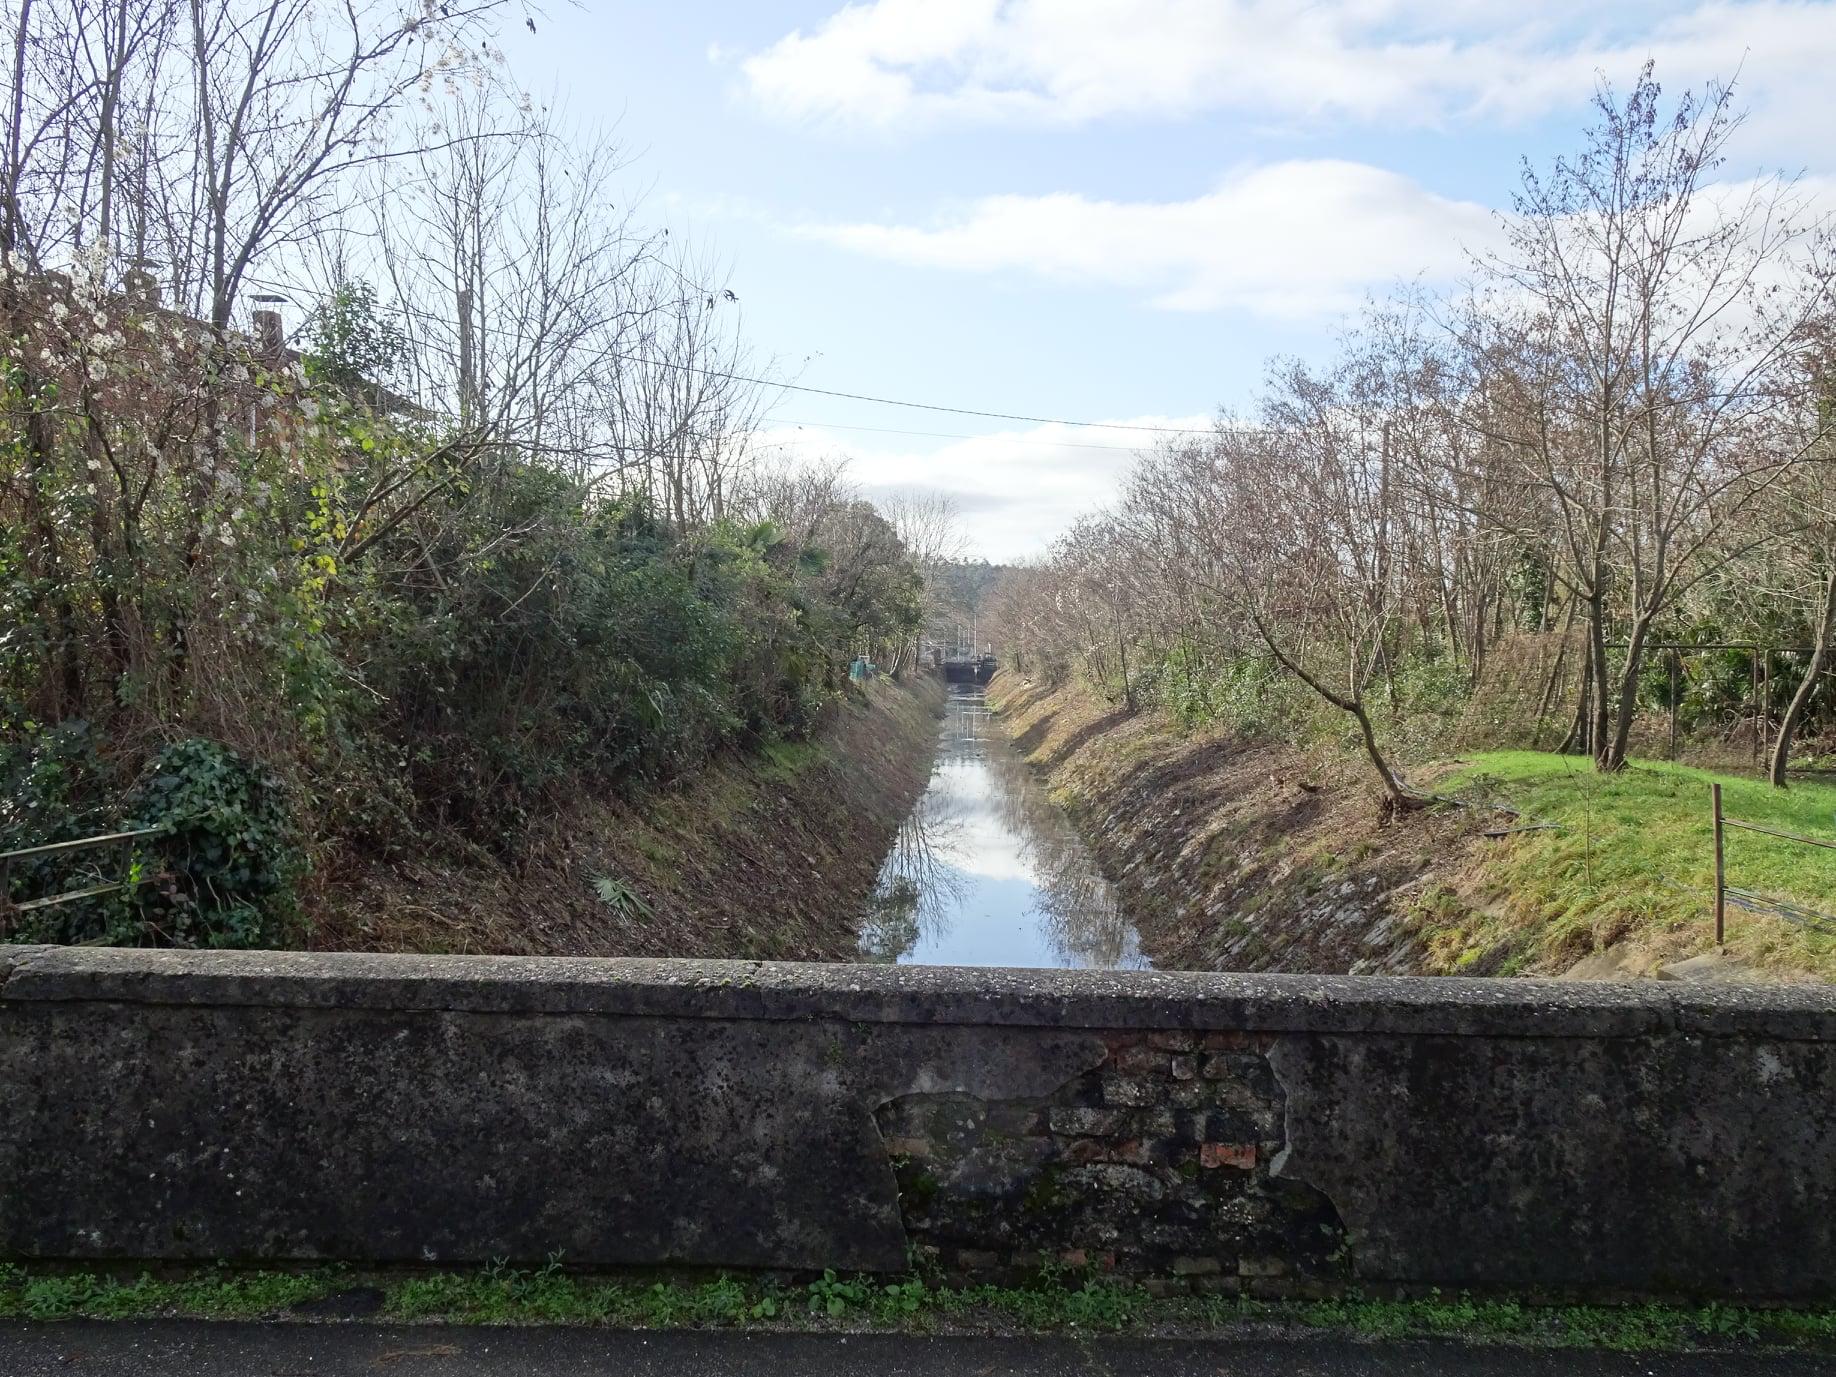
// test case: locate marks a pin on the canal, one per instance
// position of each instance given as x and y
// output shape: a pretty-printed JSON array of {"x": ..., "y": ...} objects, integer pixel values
[{"x": 987, "y": 870}]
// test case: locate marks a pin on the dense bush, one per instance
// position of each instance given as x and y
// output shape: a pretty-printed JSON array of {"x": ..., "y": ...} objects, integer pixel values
[
  {"x": 350, "y": 626},
  {"x": 218, "y": 870},
  {"x": 225, "y": 846}
]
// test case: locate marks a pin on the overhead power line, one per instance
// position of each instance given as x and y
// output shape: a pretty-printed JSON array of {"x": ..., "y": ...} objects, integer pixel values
[
  {"x": 879, "y": 401},
  {"x": 915, "y": 406},
  {"x": 895, "y": 401},
  {"x": 959, "y": 435}
]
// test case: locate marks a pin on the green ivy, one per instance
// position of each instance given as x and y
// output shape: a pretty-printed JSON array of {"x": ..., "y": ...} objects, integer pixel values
[{"x": 226, "y": 846}]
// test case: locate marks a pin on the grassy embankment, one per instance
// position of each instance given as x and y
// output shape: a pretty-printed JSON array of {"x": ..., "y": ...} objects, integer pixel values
[
  {"x": 1627, "y": 860},
  {"x": 1233, "y": 853}
]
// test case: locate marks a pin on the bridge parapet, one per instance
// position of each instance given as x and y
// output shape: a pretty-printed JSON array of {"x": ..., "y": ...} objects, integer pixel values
[{"x": 1272, "y": 1134}]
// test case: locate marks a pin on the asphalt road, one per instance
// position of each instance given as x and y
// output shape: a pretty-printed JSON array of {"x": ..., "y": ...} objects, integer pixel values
[{"x": 168, "y": 1348}]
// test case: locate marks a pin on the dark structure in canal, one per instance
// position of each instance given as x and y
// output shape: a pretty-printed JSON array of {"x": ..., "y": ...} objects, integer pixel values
[{"x": 968, "y": 669}]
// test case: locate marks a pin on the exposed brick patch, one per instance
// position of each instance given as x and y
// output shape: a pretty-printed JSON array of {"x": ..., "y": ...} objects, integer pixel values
[
  {"x": 1242, "y": 1156},
  {"x": 1155, "y": 1164}
]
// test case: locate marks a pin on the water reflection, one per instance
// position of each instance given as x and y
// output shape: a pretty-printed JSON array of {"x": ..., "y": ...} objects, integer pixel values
[{"x": 987, "y": 871}]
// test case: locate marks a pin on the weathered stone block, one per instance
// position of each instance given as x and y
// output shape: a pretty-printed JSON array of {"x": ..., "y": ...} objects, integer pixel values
[
  {"x": 1196, "y": 1266},
  {"x": 1127, "y": 1150},
  {"x": 1173, "y": 1042},
  {"x": 1218, "y": 1041},
  {"x": 1139, "y": 1061},
  {"x": 1128, "y": 1093},
  {"x": 1131, "y": 1183},
  {"x": 1082, "y": 1120},
  {"x": 1152, "y": 1123}
]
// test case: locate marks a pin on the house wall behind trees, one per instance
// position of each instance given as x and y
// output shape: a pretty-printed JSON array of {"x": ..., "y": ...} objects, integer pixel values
[{"x": 1276, "y": 1135}]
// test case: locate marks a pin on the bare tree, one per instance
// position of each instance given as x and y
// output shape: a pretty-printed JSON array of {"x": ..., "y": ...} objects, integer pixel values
[
  {"x": 930, "y": 528},
  {"x": 1805, "y": 504},
  {"x": 1631, "y": 351},
  {"x": 1312, "y": 540}
]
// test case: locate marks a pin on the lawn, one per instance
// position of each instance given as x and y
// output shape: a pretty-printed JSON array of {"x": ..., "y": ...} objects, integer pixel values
[{"x": 1630, "y": 858}]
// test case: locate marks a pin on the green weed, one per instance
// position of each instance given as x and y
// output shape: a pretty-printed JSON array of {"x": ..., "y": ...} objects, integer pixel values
[{"x": 1059, "y": 1300}]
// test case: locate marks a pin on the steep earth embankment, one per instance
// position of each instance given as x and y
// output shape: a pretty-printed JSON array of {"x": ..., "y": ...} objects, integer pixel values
[
  {"x": 1234, "y": 856},
  {"x": 759, "y": 856}
]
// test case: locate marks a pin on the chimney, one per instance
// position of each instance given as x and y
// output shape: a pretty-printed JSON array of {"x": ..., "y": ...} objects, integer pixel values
[
  {"x": 140, "y": 285},
  {"x": 270, "y": 340}
]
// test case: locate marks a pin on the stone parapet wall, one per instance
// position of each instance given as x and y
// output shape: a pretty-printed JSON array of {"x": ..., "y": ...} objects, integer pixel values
[{"x": 1270, "y": 1134}]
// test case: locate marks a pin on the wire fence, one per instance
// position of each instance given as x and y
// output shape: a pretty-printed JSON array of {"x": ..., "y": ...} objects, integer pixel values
[
  {"x": 1765, "y": 906},
  {"x": 1749, "y": 900},
  {"x": 1725, "y": 895}
]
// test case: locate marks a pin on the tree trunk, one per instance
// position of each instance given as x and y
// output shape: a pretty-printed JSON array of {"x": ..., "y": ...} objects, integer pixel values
[
  {"x": 1577, "y": 741},
  {"x": 1395, "y": 800},
  {"x": 1788, "y": 728},
  {"x": 42, "y": 534},
  {"x": 1547, "y": 698},
  {"x": 1128, "y": 687},
  {"x": 1613, "y": 757},
  {"x": 1597, "y": 664}
]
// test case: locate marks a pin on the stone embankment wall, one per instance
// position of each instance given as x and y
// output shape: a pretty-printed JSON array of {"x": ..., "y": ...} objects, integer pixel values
[{"x": 1265, "y": 1133}]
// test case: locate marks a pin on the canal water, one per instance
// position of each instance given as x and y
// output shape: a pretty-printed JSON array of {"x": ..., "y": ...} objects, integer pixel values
[{"x": 987, "y": 871}]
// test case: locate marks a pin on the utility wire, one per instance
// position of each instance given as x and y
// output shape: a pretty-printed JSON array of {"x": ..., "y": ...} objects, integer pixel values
[
  {"x": 895, "y": 401},
  {"x": 916, "y": 406},
  {"x": 959, "y": 435}
]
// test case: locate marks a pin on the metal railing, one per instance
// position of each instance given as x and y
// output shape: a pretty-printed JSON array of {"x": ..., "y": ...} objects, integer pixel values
[{"x": 9, "y": 910}]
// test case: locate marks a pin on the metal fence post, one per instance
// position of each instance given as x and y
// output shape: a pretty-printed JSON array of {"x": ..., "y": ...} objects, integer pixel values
[
  {"x": 1753, "y": 673},
  {"x": 1674, "y": 687},
  {"x": 1721, "y": 874}
]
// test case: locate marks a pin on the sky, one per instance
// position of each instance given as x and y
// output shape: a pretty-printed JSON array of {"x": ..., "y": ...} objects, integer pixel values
[{"x": 1108, "y": 211}]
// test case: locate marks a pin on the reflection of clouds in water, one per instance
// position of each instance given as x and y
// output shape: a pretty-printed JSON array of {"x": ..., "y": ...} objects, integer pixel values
[
  {"x": 987, "y": 871},
  {"x": 918, "y": 886}
]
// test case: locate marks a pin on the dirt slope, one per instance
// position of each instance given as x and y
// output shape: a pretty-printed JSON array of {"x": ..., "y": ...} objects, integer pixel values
[
  {"x": 1240, "y": 857},
  {"x": 761, "y": 856}
]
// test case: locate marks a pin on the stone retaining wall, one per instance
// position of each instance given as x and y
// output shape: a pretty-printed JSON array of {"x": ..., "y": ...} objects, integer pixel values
[{"x": 1273, "y": 1134}]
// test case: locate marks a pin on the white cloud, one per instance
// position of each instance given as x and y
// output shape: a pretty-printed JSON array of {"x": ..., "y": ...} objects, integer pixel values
[
  {"x": 896, "y": 64},
  {"x": 1017, "y": 490},
  {"x": 1292, "y": 239}
]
